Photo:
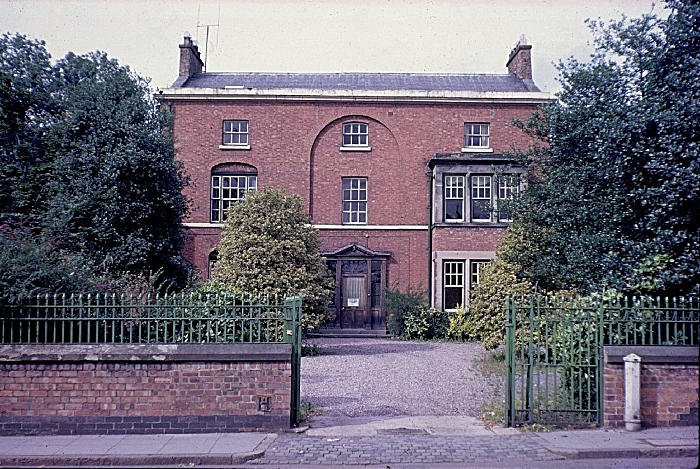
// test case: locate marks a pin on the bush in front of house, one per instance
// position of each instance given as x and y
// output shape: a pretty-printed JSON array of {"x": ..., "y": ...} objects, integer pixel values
[
  {"x": 270, "y": 247},
  {"x": 409, "y": 317},
  {"x": 487, "y": 302}
]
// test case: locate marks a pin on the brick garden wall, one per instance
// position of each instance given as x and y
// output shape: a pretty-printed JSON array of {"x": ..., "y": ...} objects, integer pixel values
[
  {"x": 119, "y": 389},
  {"x": 669, "y": 386}
]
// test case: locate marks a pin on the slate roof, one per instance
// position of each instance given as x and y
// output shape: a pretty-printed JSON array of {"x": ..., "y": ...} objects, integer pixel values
[{"x": 361, "y": 81}]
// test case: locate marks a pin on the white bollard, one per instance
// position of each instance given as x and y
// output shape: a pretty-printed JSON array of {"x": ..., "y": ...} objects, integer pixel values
[{"x": 633, "y": 408}]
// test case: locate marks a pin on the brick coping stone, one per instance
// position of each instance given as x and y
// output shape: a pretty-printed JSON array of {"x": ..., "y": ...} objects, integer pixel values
[{"x": 679, "y": 354}]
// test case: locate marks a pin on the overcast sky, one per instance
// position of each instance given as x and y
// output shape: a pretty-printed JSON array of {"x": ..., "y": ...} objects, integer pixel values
[{"x": 445, "y": 36}]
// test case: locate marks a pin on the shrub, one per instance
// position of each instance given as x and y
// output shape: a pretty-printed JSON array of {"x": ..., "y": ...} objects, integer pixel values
[
  {"x": 460, "y": 326},
  {"x": 269, "y": 246},
  {"x": 425, "y": 324},
  {"x": 488, "y": 302},
  {"x": 409, "y": 316},
  {"x": 30, "y": 265},
  {"x": 398, "y": 305}
]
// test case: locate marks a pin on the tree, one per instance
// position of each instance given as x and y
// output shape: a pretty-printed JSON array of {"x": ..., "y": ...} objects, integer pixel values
[
  {"x": 27, "y": 109},
  {"x": 269, "y": 246},
  {"x": 29, "y": 265},
  {"x": 613, "y": 201},
  {"x": 90, "y": 162},
  {"x": 116, "y": 187}
]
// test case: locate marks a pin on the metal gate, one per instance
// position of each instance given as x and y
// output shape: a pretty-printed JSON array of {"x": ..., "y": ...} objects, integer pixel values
[
  {"x": 554, "y": 349},
  {"x": 292, "y": 335}
]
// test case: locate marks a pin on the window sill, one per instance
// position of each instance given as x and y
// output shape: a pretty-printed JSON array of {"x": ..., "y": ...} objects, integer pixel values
[
  {"x": 234, "y": 147},
  {"x": 472, "y": 224},
  {"x": 358, "y": 148},
  {"x": 476, "y": 150}
]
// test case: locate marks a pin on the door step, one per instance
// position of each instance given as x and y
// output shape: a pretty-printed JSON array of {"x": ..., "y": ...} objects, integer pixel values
[{"x": 350, "y": 333}]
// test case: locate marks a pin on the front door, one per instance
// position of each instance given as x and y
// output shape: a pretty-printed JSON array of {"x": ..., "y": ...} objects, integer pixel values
[
  {"x": 360, "y": 279},
  {"x": 353, "y": 293}
]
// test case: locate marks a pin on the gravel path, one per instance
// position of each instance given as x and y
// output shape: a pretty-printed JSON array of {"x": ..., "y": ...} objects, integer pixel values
[{"x": 383, "y": 377}]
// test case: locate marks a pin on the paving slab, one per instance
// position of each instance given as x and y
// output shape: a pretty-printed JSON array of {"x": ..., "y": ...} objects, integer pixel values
[
  {"x": 208, "y": 449},
  {"x": 432, "y": 425},
  {"x": 655, "y": 442}
]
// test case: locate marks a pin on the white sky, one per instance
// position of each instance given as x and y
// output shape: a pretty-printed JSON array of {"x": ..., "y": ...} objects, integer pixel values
[{"x": 445, "y": 36}]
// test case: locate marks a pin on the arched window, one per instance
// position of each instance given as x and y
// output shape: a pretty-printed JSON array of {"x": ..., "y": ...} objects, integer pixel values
[{"x": 229, "y": 183}]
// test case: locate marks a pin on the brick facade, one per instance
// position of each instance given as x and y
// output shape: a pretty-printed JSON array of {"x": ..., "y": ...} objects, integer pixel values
[
  {"x": 120, "y": 389},
  {"x": 294, "y": 141},
  {"x": 668, "y": 390}
]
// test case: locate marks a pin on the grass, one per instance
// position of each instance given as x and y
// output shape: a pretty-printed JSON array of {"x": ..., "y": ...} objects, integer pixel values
[
  {"x": 311, "y": 350},
  {"x": 307, "y": 411},
  {"x": 493, "y": 365}
]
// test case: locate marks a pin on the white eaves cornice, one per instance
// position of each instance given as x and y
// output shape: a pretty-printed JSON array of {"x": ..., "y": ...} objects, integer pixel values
[{"x": 301, "y": 94}]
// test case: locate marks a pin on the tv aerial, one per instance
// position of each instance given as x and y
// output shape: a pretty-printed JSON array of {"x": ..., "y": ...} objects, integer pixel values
[{"x": 207, "y": 26}]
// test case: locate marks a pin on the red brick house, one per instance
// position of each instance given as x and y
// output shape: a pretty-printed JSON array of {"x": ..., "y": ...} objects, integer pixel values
[{"x": 402, "y": 173}]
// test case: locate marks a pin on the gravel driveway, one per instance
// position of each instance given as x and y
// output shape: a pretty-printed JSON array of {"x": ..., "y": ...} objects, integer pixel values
[{"x": 383, "y": 377}]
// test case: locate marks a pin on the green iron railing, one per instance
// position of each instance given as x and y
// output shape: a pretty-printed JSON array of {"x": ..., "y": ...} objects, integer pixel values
[
  {"x": 140, "y": 319},
  {"x": 112, "y": 318},
  {"x": 554, "y": 350}
]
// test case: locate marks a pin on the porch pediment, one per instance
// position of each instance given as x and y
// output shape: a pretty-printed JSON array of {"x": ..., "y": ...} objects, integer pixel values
[{"x": 355, "y": 250}]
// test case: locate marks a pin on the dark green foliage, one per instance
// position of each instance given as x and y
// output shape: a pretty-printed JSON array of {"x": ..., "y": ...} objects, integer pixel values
[
  {"x": 89, "y": 162},
  {"x": 27, "y": 109},
  {"x": 409, "y": 317},
  {"x": 117, "y": 194},
  {"x": 398, "y": 305},
  {"x": 616, "y": 205},
  {"x": 30, "y": 265},
  {"x": 269, "y": 246}
]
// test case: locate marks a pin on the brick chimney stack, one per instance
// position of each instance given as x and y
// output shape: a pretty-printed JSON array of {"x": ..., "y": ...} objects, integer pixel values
[
  {"x": 520, "y": 63},
  {"x": 190, "y": 60}
]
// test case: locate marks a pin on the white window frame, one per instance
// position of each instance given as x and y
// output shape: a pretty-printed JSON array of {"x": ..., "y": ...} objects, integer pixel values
[
  {"x": 355, "y": 137},
  {"x": 508, "y": 188},
  {"x": 475, "y": 266},
  {"x": 354, "y": 201},
  {"x": 477, "y": 137},
  {"x": 453, "y": 276},
  {"x": 481, "y": 187},
  {"x": 223, "y": 192},
  {"x": 454, "y": 189},
  {"x": 234, "y": 135},
  {"x": 466, "y": 190},
  {"x": 438, "y": 281}
]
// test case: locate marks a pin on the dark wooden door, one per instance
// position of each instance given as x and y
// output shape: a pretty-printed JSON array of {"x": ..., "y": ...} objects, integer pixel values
[{"x": 354, "y": 305}]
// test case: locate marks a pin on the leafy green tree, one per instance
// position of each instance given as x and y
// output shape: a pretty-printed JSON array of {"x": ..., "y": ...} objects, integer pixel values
[
  {"x": 88, "y": 162},
  {"x": 612, "y": 201},
  {"x": 27, "y": 109},
  {"x": 269, "y": 246},
  {"x": 30, "y": 265}
]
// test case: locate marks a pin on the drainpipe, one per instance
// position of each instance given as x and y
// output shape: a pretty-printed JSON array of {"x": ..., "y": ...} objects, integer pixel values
[{"x": 430, "y": 176}]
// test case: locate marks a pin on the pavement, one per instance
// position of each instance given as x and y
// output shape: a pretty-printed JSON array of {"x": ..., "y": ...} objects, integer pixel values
[{"x": 341, "y": 441}]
